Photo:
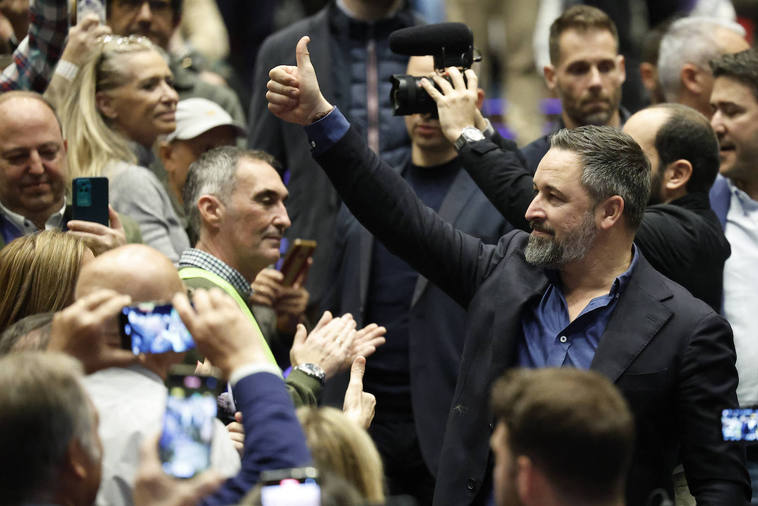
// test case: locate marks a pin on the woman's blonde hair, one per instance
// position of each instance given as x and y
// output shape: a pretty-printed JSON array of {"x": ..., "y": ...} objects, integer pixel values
[
  {"x": 341, "y": 446},
  {"x": 38, "y": 273},
  {"x": 92, "y": 142}
]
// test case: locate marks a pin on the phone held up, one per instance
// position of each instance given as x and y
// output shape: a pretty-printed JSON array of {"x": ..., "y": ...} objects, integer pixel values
[
  {"x": 296, "y": 260},
  {"x": 295, "y": 486},
  {"x": 740, "y": 425},
  {"x": 188, "y": 424},
  {"x": 149, "y": 327},
  {"x": 90, "y": 199}
]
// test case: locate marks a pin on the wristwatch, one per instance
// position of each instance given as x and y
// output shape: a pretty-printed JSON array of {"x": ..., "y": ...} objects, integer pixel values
[
  {"x": 312, "y": 370},
  {"x": 469, "y": 134}
]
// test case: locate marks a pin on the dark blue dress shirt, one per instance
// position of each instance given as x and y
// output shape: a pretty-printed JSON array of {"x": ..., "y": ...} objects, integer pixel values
[{"x": 551, "y": 340}]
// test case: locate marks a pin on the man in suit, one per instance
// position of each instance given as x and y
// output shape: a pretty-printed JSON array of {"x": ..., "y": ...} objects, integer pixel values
[
  {"x": 425, "y": 326},
  {"x": 33, "y": 176},
  {"x": 352, "y": 49},
  {"x": 575, "y": 292}
]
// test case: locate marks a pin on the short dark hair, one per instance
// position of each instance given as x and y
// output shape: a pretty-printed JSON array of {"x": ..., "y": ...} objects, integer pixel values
[
  {"x": 581, "y": 18},
  {"x": 742, "y": 67},
  {"x": 176, "y": 9},
  {"x": 215, "y": 173},
  {"x": 614, "y": 164},
  {"x": 573, "y": 424},
  {"x": 687, "y": 134}
]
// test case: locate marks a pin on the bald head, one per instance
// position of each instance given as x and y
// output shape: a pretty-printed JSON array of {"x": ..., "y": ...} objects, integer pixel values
[{"x": 136, "y": 270}]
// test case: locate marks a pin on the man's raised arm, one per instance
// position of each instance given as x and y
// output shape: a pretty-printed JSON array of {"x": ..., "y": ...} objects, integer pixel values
[{"x": 379, "y": 198}]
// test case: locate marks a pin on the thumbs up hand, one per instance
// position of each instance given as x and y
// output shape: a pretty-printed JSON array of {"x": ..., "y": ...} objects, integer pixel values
[
  {"x": 293, "y": 93},
  {"x": 359, "y": 406}
]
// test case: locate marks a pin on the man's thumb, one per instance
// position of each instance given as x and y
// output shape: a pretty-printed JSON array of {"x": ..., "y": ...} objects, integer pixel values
[{"x": 302, "y": 55}]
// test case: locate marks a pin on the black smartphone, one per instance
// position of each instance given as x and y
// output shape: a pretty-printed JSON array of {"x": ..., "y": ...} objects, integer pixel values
[
  {"x": 185, "y": 443},
  {"x": 91, "y": 199},
  {"x": 739, "y": 425},
  {"x": 150, "y": 327},
  {"x": 285, "y": 487}
]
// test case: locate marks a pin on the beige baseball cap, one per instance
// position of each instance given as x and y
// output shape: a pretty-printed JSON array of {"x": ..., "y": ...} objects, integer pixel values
[{"x": 195, "y": 116}]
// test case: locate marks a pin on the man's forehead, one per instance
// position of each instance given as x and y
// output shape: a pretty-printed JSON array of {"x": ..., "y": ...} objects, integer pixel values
[
  {"x": 259, "y": 175},
  {"x": 591, "y": 44},
  {"x": 558, "y": 166},
  {"x": 728, "y": 89},
  {"x": 420, "y": 65}
]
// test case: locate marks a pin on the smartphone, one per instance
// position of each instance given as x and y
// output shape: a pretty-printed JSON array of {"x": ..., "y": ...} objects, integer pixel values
[
  {"x": 84, "y": 7},
  {"x": 296, "y": 260},
  {"x": 739, "y": 424},
  {"x": 91, "y": 199},
  {"x": 290, "y": 487},
  {"x": 149, "y": 327},
  {"x": 185, "y": 443}
]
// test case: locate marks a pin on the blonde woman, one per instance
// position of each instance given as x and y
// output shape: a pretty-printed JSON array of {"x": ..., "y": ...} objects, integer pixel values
[
  {"x": 38, "y": 273},
  {"x": 340, "y": 445},
  {"x": 120, "y": 101}
]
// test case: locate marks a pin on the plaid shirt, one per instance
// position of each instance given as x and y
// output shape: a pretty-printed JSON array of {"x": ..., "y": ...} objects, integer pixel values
[
  {"x": 35, "y": 58},
  {"x": 197, "y": 258}
]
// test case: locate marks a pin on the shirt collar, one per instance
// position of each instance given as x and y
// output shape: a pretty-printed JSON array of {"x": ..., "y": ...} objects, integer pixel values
[
  {"x": 25, "y": 225},
  {"x": 619, "y": 284},
  {"x": 197, "y": 258}
]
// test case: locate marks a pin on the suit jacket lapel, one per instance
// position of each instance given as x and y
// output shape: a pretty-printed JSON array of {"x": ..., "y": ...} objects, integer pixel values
[
  {"x": 639, "y": 308},
  {"x": 452, "y": 206}
]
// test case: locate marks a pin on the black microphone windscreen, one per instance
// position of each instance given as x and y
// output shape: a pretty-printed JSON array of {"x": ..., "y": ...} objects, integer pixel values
[{"x": 428, "y": 39}]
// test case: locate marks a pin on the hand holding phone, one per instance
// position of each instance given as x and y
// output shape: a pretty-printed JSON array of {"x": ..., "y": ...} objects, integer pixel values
[
  {"x": 90, "y": 199},
  {"x": 295, "y": 263}
]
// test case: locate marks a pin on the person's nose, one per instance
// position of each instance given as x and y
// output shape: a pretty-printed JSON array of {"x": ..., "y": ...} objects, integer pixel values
[
  {"x": 596, "y": 78},
  {"x": 535, "y": 211},
  {"x": 144, "y": 14},
  {"x": 36, "y": 166},
  {"x": 282, "y": 219}
]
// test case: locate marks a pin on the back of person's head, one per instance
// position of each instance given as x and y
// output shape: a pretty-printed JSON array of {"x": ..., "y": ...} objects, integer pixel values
[
  {"x": 31, "y": 333},
  {"x": 48, "y": 433},
  {"x": 572, "y": 424},
  {"x": 38, "y": 273},
  {"x": 339, "y": 445},
  {"x": 335, "y": 491},
  {"x": 614, "y": 164},
  {"x": 742, "y": 67},
  {"x": 93, "y": 143},
  {"x": 214, "y": 173},
  {"x": 581, "y": 18},
  {"x": 687, "y": 135},
  {"x": 692, "y": 40}
]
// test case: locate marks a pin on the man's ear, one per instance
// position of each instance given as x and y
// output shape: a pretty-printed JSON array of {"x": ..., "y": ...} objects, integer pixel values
[
  {"x": 525, "y": 478},
  {"x": 691, "y": 79},
  {"x": 77, "y": 459},
  {"x": 550, "y": 77},
  {"x": 621, "y": 64},
  {"x": 211, "y": 210},
  {"x": 676, "y": 175},
  {"x": 479, "y": 98},
  {"x": 608, "y": 212},
  {"x": 104, "y": 103}
]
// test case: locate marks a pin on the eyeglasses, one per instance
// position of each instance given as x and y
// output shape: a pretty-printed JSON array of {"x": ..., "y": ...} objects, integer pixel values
[{"x": 158, "y": 6}]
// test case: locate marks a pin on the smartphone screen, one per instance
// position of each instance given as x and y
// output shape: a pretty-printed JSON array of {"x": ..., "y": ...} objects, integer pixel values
[
  {"x": 91, "y": 199},
  {"x": 185, "y": 444},
  {"x": 151, "y": 328},
  {"x": 739, "y": 424},
  {"x": 291, "y": 487}
]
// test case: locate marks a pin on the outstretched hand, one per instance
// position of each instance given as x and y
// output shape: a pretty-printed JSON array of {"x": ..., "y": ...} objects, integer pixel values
[
  {"x": 293, "y": 92},
  {"x": 456, "y": 103}
]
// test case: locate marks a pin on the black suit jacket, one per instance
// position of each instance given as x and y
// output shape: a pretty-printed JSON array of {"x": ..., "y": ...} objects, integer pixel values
[
  {"x": 671, "y": 356},
  {"x": 437, "y": 324}
]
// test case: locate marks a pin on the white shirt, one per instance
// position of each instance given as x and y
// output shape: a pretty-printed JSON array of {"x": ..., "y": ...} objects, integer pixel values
[
  {"x": 741, "y": 290},
  {"x": 131, "y": 403}
]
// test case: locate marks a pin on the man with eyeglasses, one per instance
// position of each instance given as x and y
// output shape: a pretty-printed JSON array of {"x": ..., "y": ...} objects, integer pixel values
[
  {"x": 157, "y": 20},
  {"x": 33, "y": 176}
]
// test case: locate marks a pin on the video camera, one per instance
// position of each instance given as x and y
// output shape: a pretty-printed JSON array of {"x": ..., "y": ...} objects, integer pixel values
[{"x": 451, "y": 45}]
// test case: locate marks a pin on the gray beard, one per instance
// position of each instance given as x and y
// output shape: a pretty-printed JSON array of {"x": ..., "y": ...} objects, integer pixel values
[{"x": 548, "y": 252}]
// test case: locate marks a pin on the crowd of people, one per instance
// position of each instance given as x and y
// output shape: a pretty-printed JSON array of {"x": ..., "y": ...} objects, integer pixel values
[{"x": 558, "y": 321}]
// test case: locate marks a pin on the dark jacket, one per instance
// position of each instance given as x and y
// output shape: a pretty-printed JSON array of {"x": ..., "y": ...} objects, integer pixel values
[
  {"x": 437, "y": 324},
  {"x": 682, "y": 240},
  {"x": 671, "y": 356}
]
